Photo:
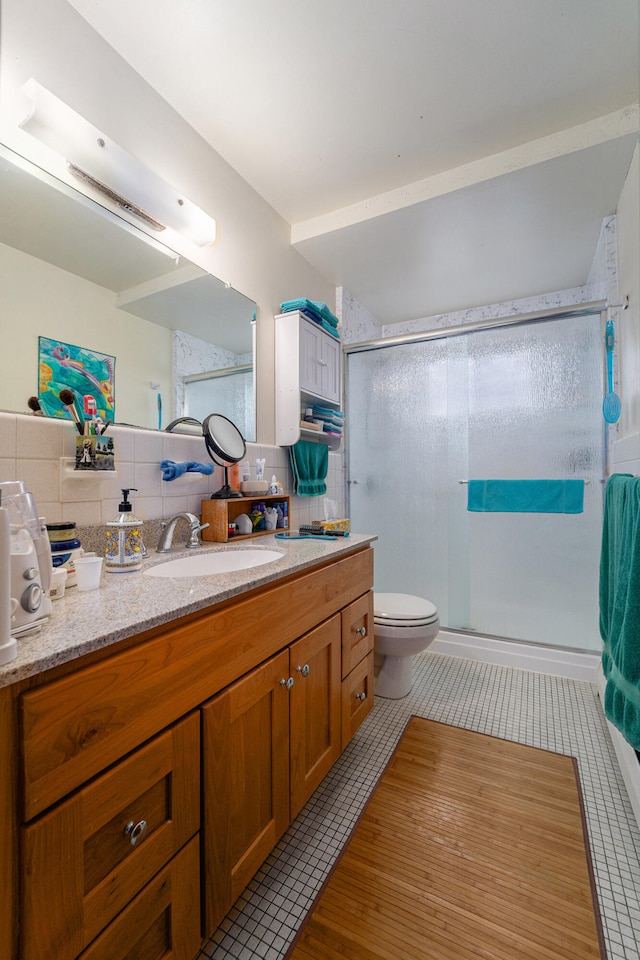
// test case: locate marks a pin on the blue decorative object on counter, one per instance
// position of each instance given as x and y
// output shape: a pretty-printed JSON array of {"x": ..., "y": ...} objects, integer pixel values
[{"x": 171, "y": 470}]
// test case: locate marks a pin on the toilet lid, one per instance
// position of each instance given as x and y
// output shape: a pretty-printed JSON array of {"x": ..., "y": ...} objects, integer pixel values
[{"x": 402, "y": 607}]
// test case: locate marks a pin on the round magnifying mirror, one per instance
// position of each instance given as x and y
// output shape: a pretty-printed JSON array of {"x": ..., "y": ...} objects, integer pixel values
[{"x": 226, "y": 446}]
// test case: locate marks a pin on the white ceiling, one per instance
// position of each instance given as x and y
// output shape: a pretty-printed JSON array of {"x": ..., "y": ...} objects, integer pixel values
[{"x": 430, "y": 155}]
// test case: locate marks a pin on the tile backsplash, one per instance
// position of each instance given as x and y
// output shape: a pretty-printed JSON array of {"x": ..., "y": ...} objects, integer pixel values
[{"x": 40, "y": 452}]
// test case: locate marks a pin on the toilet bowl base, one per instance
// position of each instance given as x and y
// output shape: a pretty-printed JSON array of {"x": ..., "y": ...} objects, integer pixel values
[{"x": 393, "y": 678}]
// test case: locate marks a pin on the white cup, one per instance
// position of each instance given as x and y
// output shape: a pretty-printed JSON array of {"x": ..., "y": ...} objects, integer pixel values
[
  {"x": 88, "y": 570},
  {"x": 58, "y": 583}
]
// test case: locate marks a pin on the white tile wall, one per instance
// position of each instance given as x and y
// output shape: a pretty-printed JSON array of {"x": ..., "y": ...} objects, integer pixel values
[{"x": 40, "y": 451}]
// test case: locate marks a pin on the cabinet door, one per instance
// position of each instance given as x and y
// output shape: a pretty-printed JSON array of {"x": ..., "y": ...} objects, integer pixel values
[
  {"x": 311, "y": 367},
  {"x": 357, "y": 697},
  {"x": 85, "y": 859},
  {"x": 330, "y": 368},
  {"x": 315, "y": 709},
  {"x": 245, "y": 744}
]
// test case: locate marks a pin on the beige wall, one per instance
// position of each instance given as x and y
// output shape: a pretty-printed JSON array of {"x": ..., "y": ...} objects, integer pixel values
[
  {"x": 48, "y": 40},
  {"x": 628, "y": 326},
  {"x": 33, "y": 295}
]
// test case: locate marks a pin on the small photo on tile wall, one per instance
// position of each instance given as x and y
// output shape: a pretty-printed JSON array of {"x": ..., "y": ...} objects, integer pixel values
[{"x": 86, "y": 372}]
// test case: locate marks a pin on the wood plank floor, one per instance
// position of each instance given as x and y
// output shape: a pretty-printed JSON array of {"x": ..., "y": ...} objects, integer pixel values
[{"x": 470, "y": 847}]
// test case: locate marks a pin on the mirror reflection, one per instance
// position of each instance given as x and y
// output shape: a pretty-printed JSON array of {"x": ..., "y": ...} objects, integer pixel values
[{"x": 74, "y": 272}]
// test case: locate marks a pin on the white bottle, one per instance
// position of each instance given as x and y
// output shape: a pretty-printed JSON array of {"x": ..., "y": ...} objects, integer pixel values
[
  {"x": 125, "y": 548},
  {"x": 273, "y": 486}
]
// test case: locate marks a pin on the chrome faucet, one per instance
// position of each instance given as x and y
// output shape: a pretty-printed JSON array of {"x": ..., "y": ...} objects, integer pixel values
[{"x": 165, "y": 543}]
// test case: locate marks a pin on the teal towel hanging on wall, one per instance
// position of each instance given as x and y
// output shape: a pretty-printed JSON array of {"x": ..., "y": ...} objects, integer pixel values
[
  {"x": 309, "y": 463},
  {"x": 526, "y": 496},
  {"x": 620, "y": 604}
]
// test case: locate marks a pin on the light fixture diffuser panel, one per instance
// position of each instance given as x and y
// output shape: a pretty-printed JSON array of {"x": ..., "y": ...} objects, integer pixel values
[{"x": 85, "y": 147}]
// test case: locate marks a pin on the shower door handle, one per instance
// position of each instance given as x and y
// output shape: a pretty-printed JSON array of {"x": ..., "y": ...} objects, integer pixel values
[{"x": 354, "y": 482}]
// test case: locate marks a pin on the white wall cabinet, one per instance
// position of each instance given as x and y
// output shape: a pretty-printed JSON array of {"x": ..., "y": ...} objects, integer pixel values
[{"x": 308, "y": 370}]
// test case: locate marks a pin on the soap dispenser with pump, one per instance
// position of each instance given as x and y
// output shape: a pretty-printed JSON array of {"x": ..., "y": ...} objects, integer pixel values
[{"x": 125, "y": 547}]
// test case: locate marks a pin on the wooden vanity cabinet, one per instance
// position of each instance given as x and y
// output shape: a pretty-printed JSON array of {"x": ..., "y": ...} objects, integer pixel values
[{"x": 198, "y": 718}]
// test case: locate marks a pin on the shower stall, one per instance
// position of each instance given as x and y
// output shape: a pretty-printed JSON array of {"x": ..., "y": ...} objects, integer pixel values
[{"x": 517, "y": 401}]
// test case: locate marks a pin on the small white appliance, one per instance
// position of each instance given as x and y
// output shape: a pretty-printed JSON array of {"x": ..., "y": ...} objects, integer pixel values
[{"x": 30, "y": 559}]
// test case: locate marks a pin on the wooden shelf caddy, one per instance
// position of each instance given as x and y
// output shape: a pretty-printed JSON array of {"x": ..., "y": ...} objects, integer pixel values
[{"x": 220, "y": 513}]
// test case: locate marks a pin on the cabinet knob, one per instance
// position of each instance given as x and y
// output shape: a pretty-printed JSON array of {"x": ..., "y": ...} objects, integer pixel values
[
  {"x": 362, "y": 631},
  {"x": 287, "y": 683},
  {"x": 135, "y": 832},
  {"x": 303, "y": 670},
  {"x": 361, "y": 696}
]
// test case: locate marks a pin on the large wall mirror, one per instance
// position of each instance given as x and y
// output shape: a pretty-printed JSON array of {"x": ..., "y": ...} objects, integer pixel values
[{"x": 73, "y": 272}]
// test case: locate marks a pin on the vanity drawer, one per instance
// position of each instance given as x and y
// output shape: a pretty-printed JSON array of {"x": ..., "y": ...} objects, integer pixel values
[
  {"x": 163, "y": 922},
  {"x": 84, "y": 860},
  {"x": 357, "y": 697},
  {"x": 357, "y": 632}
]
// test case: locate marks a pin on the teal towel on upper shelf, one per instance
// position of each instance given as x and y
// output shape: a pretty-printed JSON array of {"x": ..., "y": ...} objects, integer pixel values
[
  {"x": 620, "y": 605},
  {"x": 316, "y": 307},
  {"x": 309, "y": 463},
  {"x": 526, "y": 496}
]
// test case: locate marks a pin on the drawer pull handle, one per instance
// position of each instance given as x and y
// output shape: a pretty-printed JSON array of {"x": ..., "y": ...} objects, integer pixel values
[
  {"x": 287, "y": 683},
  {"x": 361, "y": 696},
  {"x": 362, "y": 631},
  {"x": 135, "y": 832},
  {"x": 303, "y": 670}
]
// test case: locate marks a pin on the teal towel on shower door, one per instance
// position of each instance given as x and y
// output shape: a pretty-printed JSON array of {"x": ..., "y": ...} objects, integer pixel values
[
  {"x": 526, "y": 496},
  {"x": 309, "y": 463},
  {"x": 620, "y": 605}
]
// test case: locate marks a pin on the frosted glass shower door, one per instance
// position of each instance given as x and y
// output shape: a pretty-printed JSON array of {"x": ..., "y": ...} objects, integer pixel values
[
  {"x": 512, "y": 403},
  {"x": 399, "y": 430},
  {"x": 535, "y": 411}
]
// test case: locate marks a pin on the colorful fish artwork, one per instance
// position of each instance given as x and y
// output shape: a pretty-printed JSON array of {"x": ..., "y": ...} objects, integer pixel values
[{"x": 86, "y": 372}]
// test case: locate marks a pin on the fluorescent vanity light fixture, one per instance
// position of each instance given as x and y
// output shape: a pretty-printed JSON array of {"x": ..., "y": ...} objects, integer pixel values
[{"x": 110, "y": 171}]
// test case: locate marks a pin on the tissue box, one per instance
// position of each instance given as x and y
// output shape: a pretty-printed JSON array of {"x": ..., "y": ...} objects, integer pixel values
[{"x": 329, "y": 525}]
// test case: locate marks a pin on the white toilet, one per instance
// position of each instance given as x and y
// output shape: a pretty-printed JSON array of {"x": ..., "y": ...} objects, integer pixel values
[{"x": 403, "y": 625}]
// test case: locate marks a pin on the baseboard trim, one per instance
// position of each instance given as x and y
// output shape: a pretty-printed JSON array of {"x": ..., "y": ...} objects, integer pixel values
[{"x": 575, "y": 665}]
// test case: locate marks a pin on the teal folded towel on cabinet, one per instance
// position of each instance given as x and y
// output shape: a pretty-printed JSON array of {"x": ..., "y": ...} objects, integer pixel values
[
  {"x": 315, "y": 307},
  {"x": 620, "y": 605},
  {"x": 309, "y": 463},
  {"x": 526, "y": 496}
]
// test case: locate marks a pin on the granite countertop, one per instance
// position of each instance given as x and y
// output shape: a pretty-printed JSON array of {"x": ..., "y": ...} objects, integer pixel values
[{"x": 129, "y": 603}]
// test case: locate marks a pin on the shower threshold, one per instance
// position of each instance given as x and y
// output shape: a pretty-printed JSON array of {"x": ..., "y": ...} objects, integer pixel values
[{"x": 548, "y": 659}]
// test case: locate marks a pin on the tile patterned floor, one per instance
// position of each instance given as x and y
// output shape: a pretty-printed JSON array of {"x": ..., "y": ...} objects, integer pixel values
[{"x": 549, "y": 712}]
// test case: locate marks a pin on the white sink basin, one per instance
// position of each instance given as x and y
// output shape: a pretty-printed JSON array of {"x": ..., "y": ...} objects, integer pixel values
[{"x": 205, "y": 564}]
